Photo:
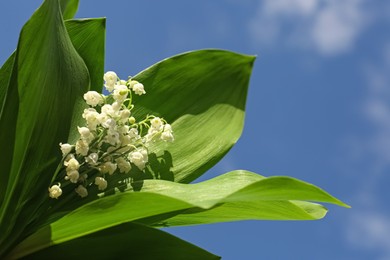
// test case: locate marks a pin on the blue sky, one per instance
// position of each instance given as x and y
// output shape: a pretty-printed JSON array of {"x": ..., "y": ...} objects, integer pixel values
[{"x": 318, "y": 107}]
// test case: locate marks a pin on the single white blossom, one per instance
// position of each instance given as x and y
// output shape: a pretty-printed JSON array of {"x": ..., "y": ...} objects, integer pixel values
[
  {"x": 81, "y": 191},
  {"x": 123, "y": 165},
  {"x": 108, "y": 111},
  {"x": 93, "y": 98},
  {"x": 72, "y": 164},
  {"x": 167, "y": 136},
  {"x": 55, "y": 191},
  {"x": 133, "y": 133},
  {"x": 156, "y": 123},
  {"x": 120, "y": 93},
  {"x": 91, "y": 116},
  {"x": 101, "y": 183},
  {"x": 139, "y": 158},
  {"x": 124, "y": 115},
  {"x": 84, "y": 131},
  {"x": 72, "y": 176},
  {"x": 112, "y": 137},
  {"x": 139, "y": 89},
  {"x": 85, "y": 134},
  {"x": 65, "y": 148},
  {"x": 108, "y": 167},
  {"x": 82, "y": 147},
  {"x": 110, "y": 79},
  {"x": 92, "y": 159}
]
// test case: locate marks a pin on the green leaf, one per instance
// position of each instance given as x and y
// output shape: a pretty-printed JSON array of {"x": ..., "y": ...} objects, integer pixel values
[
  {"x": 233, "y": 196},
  {"x": 99, "y": 215},
  {"x": 202, "y": 94},
  {"x": 5, "y": 73},
  {"x": 88, "y": 37},
  {"x": 242, "y": 195},
  {"x": 128, "y": 240},
  {"x": 41, "y": 93},
  {"x": 69, "y": 8}
]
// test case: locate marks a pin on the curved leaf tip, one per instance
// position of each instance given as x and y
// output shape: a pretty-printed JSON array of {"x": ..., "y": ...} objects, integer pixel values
[
  {"x": 203, "y": 95},
  {"x": 69, "y": 8}
]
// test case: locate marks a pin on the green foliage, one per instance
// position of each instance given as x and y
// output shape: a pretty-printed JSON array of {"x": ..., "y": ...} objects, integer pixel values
[
  {"x": 202, "y": 93},
  {"x": 69, "y": 8},
  {"x": 141, "y": 242},
  {"x": 41, "y": 92},
  {"x": 233, "y": 196}
]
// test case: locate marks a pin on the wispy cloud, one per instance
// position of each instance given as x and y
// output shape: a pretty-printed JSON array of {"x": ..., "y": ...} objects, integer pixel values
[
  {"x": 369, "y": 227},
  {"x": 327, "y": 27},
  {"x": 370, "y": 231},
  {"x": 377, "y": 107}
]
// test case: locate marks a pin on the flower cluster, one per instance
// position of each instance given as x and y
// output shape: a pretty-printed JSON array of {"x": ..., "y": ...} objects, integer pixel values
[{"x": 111, "y": 141}]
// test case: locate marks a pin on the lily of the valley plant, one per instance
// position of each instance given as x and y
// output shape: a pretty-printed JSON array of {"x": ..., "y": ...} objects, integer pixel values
[{"x": 93, "y": 163}]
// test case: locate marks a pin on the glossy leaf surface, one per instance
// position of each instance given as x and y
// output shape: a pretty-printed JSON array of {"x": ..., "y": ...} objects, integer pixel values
[
  {"x": 238, "y": 195},
  {"x": 202, "y": 94},
  {"x": 128, "y": 240}
]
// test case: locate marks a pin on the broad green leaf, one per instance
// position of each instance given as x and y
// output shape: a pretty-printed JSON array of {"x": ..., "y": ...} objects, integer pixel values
[
  {"x": 125, "y": 241},
  {"x": 46, "y": 77},
  {"x": 5, "y": 73},
  {"x": 242, "y": 195},
  {"x": 88, "y": 37},
  {"x": 102, "y": 214},
  {"x": 233, "y": 196},
  {"x": 202, "y": 94},
  {"x": 69, "y": 8},
  {"x": 247, "y": 210}
]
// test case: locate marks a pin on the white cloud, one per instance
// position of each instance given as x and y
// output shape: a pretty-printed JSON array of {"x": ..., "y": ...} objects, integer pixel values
[
  {"x": 328, "y": 27},
  {"x": 370, "y": 231},
  {"x": 286, "y": 7},
  {"x": 377, "y": 107},
  {"x": 337, "y": 26},
  {"x": 369, "y": 227}
]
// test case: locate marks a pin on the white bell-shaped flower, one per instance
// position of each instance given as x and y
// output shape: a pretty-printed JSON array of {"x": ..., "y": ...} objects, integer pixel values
[
  {"x": 93, "y": 98},
  {"x": 110, "y": 79},
  {"x": 65, "y": 148},
  {"x": 55, "y": 191},
  {"x": 123, "y": 165},
  {"x": 101, "y": 183},
  {"x": 81, "y": 191},
  {"x": 139, "y": 89}
]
